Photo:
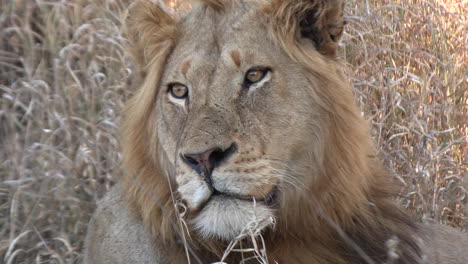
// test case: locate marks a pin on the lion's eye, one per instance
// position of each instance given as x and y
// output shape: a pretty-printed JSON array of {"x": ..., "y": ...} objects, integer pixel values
[
  {"x": 255, "y": 75},
  {"x": 178, "y": 90}
]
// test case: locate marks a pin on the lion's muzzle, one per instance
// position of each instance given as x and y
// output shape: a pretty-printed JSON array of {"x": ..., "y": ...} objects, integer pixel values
[{"x": 205, "y": 162}]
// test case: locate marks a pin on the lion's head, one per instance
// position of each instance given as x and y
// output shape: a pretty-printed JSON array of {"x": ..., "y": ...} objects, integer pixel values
[{"x": 243, "y": 113}]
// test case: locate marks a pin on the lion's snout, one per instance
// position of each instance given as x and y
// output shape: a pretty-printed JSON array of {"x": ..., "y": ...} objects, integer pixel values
[{"x": 206, "y": 161}]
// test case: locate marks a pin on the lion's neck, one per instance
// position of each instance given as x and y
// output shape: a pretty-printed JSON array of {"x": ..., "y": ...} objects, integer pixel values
[
  {"x": 367, "y": 241},
  {"x": 367, "y": 236}
]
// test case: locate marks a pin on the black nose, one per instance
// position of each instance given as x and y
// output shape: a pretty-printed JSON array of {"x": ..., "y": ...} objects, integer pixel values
[{"x": 204, "y": 163}]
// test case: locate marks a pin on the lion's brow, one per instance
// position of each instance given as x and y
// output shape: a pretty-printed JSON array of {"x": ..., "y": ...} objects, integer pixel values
[
  {"x": 236, "y": 57},
  {"x": 186, "y": 67}
]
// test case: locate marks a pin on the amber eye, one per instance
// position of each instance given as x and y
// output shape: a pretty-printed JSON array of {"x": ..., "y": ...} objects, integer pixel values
[
  {"x": 255, "y": 75},
  {"x": 178, "y": 90}
]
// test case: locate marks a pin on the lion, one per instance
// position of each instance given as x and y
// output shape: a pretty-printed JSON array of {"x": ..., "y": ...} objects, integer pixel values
[{"x": 245, "y": 129}]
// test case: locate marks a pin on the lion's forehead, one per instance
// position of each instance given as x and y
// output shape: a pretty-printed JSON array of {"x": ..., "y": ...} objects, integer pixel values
[{"x": 210, "y": 39}]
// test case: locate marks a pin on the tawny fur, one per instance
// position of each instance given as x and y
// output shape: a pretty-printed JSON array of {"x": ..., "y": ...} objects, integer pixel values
[
  {"x": 342, "y": 210},
  {"x": 218, "y": 5}
]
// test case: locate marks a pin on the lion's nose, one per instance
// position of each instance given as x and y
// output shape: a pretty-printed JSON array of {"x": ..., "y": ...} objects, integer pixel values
[{"x": 205, "y": 162}]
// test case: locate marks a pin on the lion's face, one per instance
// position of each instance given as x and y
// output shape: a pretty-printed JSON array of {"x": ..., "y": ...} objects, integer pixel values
[
  {"x": 232, "y": 114},
  {"x": 236, "y": 107}
]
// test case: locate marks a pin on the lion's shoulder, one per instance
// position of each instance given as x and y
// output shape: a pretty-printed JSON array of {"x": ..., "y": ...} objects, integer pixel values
[
  {"x": 442, "y": 244},
  {"x": 116, "y": 235}
]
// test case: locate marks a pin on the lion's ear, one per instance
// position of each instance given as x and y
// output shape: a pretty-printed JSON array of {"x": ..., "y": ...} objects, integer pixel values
[
  {"x": 148, "y": 26},
  {"x": 320, "y": 21}
]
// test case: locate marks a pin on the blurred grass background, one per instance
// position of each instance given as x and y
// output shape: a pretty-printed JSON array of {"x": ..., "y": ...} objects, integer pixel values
[{"x": 64, "y": 77}]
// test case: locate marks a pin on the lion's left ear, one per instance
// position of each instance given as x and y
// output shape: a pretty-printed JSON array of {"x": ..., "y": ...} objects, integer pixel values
[
  {"x": 149, "y": 29},
  {"x": 320, "y": 21}
]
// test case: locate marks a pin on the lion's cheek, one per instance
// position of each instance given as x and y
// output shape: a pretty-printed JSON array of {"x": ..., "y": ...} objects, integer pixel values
[{"x": 193, "y": 190}]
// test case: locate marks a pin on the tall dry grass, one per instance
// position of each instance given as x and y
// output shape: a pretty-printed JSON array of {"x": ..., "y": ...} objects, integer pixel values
[{"x": 64, "y": 76}]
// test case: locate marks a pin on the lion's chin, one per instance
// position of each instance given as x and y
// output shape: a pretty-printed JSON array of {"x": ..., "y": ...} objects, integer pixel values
[{"x": 226, "y": 217}]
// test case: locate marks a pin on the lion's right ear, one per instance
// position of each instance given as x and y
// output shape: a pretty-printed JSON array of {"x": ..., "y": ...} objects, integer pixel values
[
  {"x": 149, "y": 29},
  {"x": 320, "y": 21}
]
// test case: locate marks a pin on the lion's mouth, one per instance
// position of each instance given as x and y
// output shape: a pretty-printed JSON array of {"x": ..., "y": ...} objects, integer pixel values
[{"x": 270, "y": 199}]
